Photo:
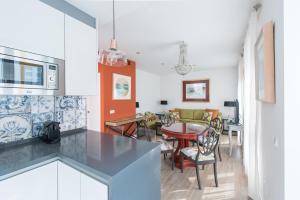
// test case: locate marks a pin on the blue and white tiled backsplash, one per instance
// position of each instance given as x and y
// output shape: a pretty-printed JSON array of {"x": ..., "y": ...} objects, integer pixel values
[{"x": 22, "y": 117}]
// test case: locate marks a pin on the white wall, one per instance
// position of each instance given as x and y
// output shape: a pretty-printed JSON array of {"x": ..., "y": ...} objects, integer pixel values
[
  {"x": 292, "y": 98},
  {"x": 147, "y": 91},
  {"x": 223, "y": 87},
  {"x": 271, "y": 155}
]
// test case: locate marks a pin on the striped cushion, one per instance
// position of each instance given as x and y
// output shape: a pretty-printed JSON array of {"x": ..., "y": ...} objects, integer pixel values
[
  {"x": 164, "y": 145},
  {"x": 192, "y": 152},
  {"x": 165, "y": 137}
]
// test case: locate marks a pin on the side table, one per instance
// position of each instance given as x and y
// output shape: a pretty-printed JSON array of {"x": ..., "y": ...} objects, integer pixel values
[{"x": 239, "y": 128}]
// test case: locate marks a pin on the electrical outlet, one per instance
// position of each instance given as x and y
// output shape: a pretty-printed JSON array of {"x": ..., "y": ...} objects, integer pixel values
[
  {"x": 275, "y": 141},
  {"x": 112, "y": 112}
]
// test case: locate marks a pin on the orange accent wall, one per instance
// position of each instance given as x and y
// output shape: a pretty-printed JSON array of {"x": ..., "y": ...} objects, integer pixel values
[{"x": 123, "y": 108}]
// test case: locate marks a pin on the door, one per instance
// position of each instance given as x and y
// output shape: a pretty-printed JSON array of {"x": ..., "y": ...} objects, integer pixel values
[
  {"x": 92, "y": 189},
  {"x": 68, "y": 183},
  {"x": 80, "y": 58},
  {"x": 36, "y": 184},
  {"x": 32, "y": 26}
]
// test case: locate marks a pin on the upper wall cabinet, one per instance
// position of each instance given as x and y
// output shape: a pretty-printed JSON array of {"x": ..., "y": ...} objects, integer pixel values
[
  {"x": 32, "y": 26},
  {"x": 80, "y": 58}
]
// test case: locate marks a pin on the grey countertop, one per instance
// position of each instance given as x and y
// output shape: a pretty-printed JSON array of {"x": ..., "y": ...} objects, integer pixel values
[{"x": 99, "y": 155}]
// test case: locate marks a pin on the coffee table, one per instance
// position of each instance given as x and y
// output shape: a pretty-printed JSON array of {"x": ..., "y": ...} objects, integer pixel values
[{"x": 184, "y": 132}]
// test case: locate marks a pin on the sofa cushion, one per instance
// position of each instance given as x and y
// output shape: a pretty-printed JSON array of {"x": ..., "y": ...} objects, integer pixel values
[
  {"x": 198, "y": 114},
  {"x": 185, "y": 120},
  {"x": 193, "y": 121},
  {"x": 215, "y": 112},
  {"x": 187, "y": 114},
  {"x": 175, "y": 115},
  {"x": 207, "y": 116},
  {"x": 199, "y": 122}
]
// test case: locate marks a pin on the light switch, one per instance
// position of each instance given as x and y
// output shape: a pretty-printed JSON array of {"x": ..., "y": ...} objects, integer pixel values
[{"x": 112, "y": 112}]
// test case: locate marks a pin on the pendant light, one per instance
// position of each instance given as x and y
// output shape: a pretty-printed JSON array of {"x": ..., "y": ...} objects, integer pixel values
[
  {"x": 183, "y": 68},
  {"x": 113, "y": 56}
]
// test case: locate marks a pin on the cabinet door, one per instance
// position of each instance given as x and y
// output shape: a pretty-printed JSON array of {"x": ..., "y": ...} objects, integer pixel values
[
  {"x": 37, "y": 184},
  {"x": 68, "y": 183},
  {"x": 32, "y": 26},
  {"x": 80, "y": 58},
  {"x": 92, "y": 189}
]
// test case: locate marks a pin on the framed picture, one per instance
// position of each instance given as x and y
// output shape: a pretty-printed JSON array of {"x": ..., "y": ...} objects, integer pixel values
[
  {"x": 197, "y": 90},
  {"x": 265, "y": 65},
  {"x": 121, "y": 87}
]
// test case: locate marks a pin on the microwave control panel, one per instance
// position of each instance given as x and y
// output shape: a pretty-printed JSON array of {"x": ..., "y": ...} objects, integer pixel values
[{"x": 52, "y": 77}]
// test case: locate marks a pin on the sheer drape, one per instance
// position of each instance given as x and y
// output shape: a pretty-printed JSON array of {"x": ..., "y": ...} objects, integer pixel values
[
  {"x": 250, "y": 108},
  {"x": 241, "y": 89}
]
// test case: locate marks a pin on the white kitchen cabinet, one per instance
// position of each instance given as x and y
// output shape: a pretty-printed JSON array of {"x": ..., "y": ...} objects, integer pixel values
[
  {"x": 92, "y": 189},
  {"x": 80, "y": 58},
  {"x": 68, "y": 183},
  {"x": 36, "y": 184},
  {"x": 32, "y": 26}
]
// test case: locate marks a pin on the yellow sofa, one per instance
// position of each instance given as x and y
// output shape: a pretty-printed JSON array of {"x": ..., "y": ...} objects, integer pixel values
[{"x": 197, "y": 115}]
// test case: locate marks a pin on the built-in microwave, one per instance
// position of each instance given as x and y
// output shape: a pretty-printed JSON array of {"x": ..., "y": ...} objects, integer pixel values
[{"x": 24, "y": 73}]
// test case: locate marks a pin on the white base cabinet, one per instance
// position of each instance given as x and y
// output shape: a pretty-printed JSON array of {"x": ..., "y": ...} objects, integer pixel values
[
  {"x": 75, "y": 185},
  {"x": 92, "y": 189},
  {"x": 54, "y": 181},
  {"x": 36, "y": 184},
  {"x": 68, "y": 183}
]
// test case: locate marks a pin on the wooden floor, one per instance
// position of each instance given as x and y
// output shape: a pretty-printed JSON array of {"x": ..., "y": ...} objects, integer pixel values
[{"x": 183, "y": 186}]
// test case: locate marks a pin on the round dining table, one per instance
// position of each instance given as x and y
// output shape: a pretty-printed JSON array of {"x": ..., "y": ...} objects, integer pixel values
[{"x": 184, "y": 133}]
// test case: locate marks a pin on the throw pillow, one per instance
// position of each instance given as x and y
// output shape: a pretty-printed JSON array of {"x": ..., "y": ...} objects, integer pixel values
[
  {"x": 175, "y": 115},
  {"x": 207, "y": 116}
]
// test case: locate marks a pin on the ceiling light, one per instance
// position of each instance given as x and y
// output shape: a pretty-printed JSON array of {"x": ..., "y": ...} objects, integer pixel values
[
  {"x": 113, "y": 56},
  {"x": 183, "y": 67}
]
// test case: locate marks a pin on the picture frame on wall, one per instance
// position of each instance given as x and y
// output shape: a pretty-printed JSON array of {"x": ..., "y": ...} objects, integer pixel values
[
  {"x": 195, "y": 91},
  {"x": 265, "y": 65},
  {"x": 121, "y": 87}
]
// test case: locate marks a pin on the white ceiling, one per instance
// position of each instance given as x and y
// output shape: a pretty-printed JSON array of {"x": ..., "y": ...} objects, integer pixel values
[{"x": 213, "y": 29}]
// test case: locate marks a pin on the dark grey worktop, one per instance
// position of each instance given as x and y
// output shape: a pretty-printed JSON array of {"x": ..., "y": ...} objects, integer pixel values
[{"x": 99, "y": 155}]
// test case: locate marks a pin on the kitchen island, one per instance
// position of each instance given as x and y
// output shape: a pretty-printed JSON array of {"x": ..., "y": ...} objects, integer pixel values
[{"x": 126, "y": 168}]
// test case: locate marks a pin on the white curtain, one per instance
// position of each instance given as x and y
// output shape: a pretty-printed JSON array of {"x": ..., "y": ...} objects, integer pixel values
[
  {"x": 250, "y": 108},
  {"x": 241, "y": 79}
]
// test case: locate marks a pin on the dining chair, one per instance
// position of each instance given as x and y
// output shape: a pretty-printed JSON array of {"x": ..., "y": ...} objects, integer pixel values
[
  {"x": 165, "y": 147},
  {"x": 218, "y": 125},
  {"x": 204, "y": 154},
  {"x": 167, "y": 120}
]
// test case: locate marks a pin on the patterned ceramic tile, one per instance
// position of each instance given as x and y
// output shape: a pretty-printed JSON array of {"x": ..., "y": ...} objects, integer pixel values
[
  {"x": 42, "y": 117},
  {"x": 3, "y": 103},
  {"x": 81, "y": 103},
  {"x": 80, "y": 123},
  {"x": 36, "y": 128},
  {"x": 34, "y": 104},
  {"x": 22, "y": 117},
  {"x": 59, "y": 116},
  {"x": 66, "y": 103},
  {"x": 46, "y": 104},
  {"x": 15, "y": 127},
  {"x": 18, "y": 104},
  {"x": 69, "y": 116},
  {"x": 67, "y": 126}
]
